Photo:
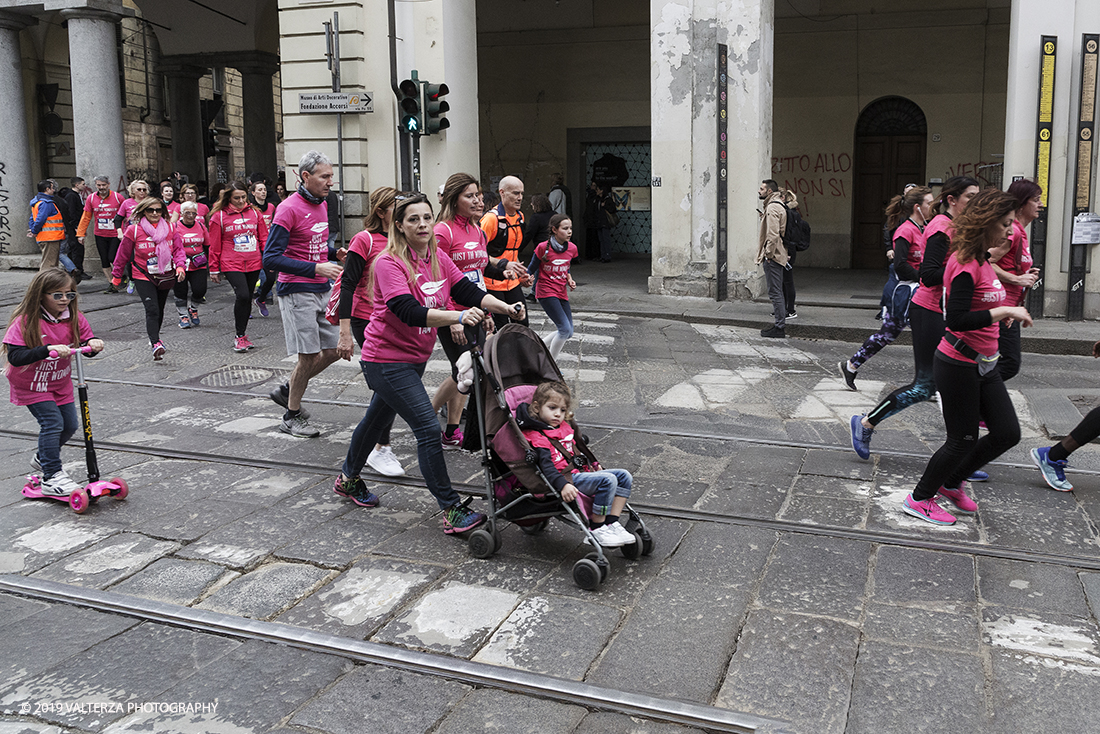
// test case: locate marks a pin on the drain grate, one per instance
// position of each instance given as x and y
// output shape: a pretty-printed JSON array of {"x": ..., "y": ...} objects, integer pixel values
[{"x": 235, "y": 376}]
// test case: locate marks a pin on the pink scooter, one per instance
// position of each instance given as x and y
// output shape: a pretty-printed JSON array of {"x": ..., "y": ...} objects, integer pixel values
[{"x": 80, "y": 499}]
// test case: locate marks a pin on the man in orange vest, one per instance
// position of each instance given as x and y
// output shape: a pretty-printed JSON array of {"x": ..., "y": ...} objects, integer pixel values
[
  {"x": 47, "y": 226},
  {"x": 503, "y": 227}
]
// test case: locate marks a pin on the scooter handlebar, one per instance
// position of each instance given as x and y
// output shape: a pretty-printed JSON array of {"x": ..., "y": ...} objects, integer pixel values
[{"x": 83, "y": 350}]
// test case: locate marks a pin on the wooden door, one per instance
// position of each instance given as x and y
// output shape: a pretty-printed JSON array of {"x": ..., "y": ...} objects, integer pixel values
[{"x": 883, "y": 165}]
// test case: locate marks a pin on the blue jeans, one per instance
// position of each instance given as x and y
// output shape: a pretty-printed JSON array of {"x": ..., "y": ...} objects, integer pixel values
[
  {"x": 603, "y": 487},
  {"x": 560, "y": 313},
  {"x": 56, "y": 425},
  {"x": 399, "y": 390}
]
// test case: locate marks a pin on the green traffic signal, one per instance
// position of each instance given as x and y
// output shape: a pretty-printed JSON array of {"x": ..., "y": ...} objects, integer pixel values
[{"x": 412, "y": 118}]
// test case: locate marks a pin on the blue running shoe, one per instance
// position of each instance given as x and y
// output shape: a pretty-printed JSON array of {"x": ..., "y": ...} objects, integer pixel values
[
  {"x": 1054, "y": 472},
  {"x": 978, "y": 476},
  {"x": 861, "y": 437}
]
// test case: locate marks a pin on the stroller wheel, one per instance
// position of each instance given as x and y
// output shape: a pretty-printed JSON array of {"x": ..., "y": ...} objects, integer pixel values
[
  {"x": 586, "y": 574},
  {"x": 482, "y": 543},
  {"x": 633, "y": 550},
  {"x": 536, "y": 529},
  {"x": 604, "y": 566},
  {"x": 648, "y": 543}
]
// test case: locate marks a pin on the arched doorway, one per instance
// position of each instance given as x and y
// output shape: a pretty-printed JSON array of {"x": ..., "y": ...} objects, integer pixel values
[{"x": 891, "y": 135}]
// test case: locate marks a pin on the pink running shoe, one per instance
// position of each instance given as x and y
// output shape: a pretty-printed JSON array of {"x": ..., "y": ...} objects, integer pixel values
[
  {"x": 927, "y": 510},
  {"x": 454, "y": 440},
  {"x": 242, "y": 344},
  {"x": 158, "y": 351},
  {"x": 959, "y": 498}
]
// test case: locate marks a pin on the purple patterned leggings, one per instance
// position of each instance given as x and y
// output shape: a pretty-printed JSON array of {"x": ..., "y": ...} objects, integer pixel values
[{"x": 888, "y": 333}]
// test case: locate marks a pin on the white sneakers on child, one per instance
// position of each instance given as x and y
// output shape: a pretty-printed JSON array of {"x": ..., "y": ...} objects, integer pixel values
[
  {"x": 383, "y": 461},
  {"x": 59, "y": 485},
  {"x": 612, "y": 536}
]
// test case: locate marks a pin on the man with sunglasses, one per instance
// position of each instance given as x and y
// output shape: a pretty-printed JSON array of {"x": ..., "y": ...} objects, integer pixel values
[{"x": 298, "y": 249}]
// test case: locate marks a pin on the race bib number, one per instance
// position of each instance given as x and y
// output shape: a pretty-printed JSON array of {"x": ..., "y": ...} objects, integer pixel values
[
  {"x": 244, "y": 243},
  {"x": 105, "y": 223},
  {"x": 475, "y": 277}
]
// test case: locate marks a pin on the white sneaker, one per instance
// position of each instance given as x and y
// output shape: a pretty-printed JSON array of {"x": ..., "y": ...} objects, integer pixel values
[
  {"x": 624, "y": 535},
  {"x": 606, "y": 536},
  {"x": 36, "y": 463},
  {"x": 59, "y": 485},
  {"x": 384, "y": 462}
]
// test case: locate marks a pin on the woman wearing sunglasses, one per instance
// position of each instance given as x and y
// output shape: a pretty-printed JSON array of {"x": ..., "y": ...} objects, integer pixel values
[{"x": 154, "y": 250}]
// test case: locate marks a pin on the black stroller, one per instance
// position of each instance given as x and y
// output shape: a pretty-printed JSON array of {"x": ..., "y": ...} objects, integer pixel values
[{"x": 507, "y": 369}]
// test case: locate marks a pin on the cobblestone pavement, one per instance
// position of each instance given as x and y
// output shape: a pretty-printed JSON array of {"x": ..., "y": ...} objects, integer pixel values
[{"x": 786, "y": 583}]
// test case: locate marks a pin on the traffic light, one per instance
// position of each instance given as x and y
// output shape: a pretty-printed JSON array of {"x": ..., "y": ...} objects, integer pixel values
[
  {"x": 435, "y": 108},
  {"x": 412, "y": 115}
]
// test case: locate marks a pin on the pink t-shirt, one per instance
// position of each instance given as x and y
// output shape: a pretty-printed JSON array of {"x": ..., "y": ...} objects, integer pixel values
[
  {"x": 103, "y": 212},
  {"x": 125, "y": 209},
  {"x": 202, "y": 210},
  {"x": 912, "y": 234},
  {"x": 553, "y": 279},
  {"x": 988, "y": 294},
  {"x": 367, "y": 245},
  {"x": 390, "y": 340},
  {"x": 307, "y": 226},
  {"x": 1016, "y": 261},
  {"x": 930, "y": 297},
  {"x": 267, "y": 212},
  {"x": 50, "y": 378},
  {"x": 193, "y": 239},
  {"x": 563, "y": 434},
  {"x": 464, "y": 242}
]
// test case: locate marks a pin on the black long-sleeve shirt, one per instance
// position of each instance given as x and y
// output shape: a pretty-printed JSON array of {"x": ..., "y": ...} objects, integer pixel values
[
  {"x": 935, "y": 256},
  {"x": 406, "y": 308},
  {"x": 959, "y": 317}
]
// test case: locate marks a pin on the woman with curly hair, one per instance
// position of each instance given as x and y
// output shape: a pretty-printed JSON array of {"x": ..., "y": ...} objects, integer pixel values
[{"x": 965, "y": 365}]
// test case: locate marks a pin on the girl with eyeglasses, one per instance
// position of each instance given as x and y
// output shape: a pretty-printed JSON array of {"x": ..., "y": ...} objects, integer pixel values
[
  {"x": 413, "y": 285},
  {"x": 154, "y": 251},
  {"x": 48, "y": 320}
]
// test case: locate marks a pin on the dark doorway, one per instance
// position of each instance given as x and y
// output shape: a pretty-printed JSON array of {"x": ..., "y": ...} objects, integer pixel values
[{"x": 891, "y": 136}]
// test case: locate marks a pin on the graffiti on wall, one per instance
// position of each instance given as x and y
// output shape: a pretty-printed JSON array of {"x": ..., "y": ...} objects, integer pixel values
[
  {"x": 988, "y": 173},
  {"x": 813, "y": 174},
  {"x": 5, "y": 212}
]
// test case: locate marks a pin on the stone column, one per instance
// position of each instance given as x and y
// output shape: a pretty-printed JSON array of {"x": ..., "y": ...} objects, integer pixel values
[
  {"x": 683, "y": 82},
  {"x": 259, "y": 112},
  {"x": 186, "y": 115},
  {"x": 16, "y": 178},
  {"x": 97, "y": 101}
]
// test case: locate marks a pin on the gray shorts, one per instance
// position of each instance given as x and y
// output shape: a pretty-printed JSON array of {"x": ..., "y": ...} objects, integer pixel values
[{"x": 305, "y": 327}]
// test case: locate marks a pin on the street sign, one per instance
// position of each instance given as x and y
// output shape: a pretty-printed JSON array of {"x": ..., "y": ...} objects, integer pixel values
[{"x": 336, "y": 101}]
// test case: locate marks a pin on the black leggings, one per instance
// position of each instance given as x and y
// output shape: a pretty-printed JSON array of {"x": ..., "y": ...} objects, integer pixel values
[
  {"x": 967, "y": 398},
  {"x": 927, "y": 328},
  {"x": 108, "y": 248},
  {"x": 358, "y": 330},
  {"x": 1009, "y": 347},
  {"x": 244, "y": 284},
  {"x": 197, "y": 280},
  {"x": 153, "y": 299},
  {"x": 269, "y": 283}
]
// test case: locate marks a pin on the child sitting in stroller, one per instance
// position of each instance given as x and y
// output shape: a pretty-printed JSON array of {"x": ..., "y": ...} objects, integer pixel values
[{"x": 545, "y": 424}]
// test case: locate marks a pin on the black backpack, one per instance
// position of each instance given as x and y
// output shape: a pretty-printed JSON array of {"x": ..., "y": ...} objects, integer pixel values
[{"x": 797, "y": 236}]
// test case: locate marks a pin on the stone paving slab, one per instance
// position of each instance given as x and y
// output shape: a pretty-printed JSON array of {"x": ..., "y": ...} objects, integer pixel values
[
  {"x": 1061, "y": 640},
  {"x": 1031, "y": 586},
  {"x": 172, "y": 580},
  {"x": 929, "y": 579},
  {"x": 687, "y": 664},
  {"x": 338, "y": 542},
  {"x": 792, "y": 667},
  {"x": 915, "y": 627},
  {"x": 454, "y": 618},
  {"x": 136, "y": 666},
  {"x": 723, "y": 555},
  {"x": 487, "y": 710},
  {"x": 1068, "y": 701},
  {"x": 55, "y": 540},
  {"x": 355, "y": 603},
  {"x": 794, "y": 581},
  {"x": 254, "y": 687},
  {"x": 899, "y": 688},
  {"x": 109, "y": 561},
  {"x": 551, "y": 635},
  {"x": 389, "y": 701},
  {"x": 266, "y": 591},
  {"x": 189, "y": 522}
]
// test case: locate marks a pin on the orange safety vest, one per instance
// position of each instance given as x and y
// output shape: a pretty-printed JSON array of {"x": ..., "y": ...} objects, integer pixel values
[
  {"x": 505, "y": 237},
  {"x": 53, "y": 228}
]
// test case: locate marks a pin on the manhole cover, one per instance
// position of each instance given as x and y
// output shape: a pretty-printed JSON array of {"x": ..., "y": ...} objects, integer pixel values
[{"x": 235, "y": 376}]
